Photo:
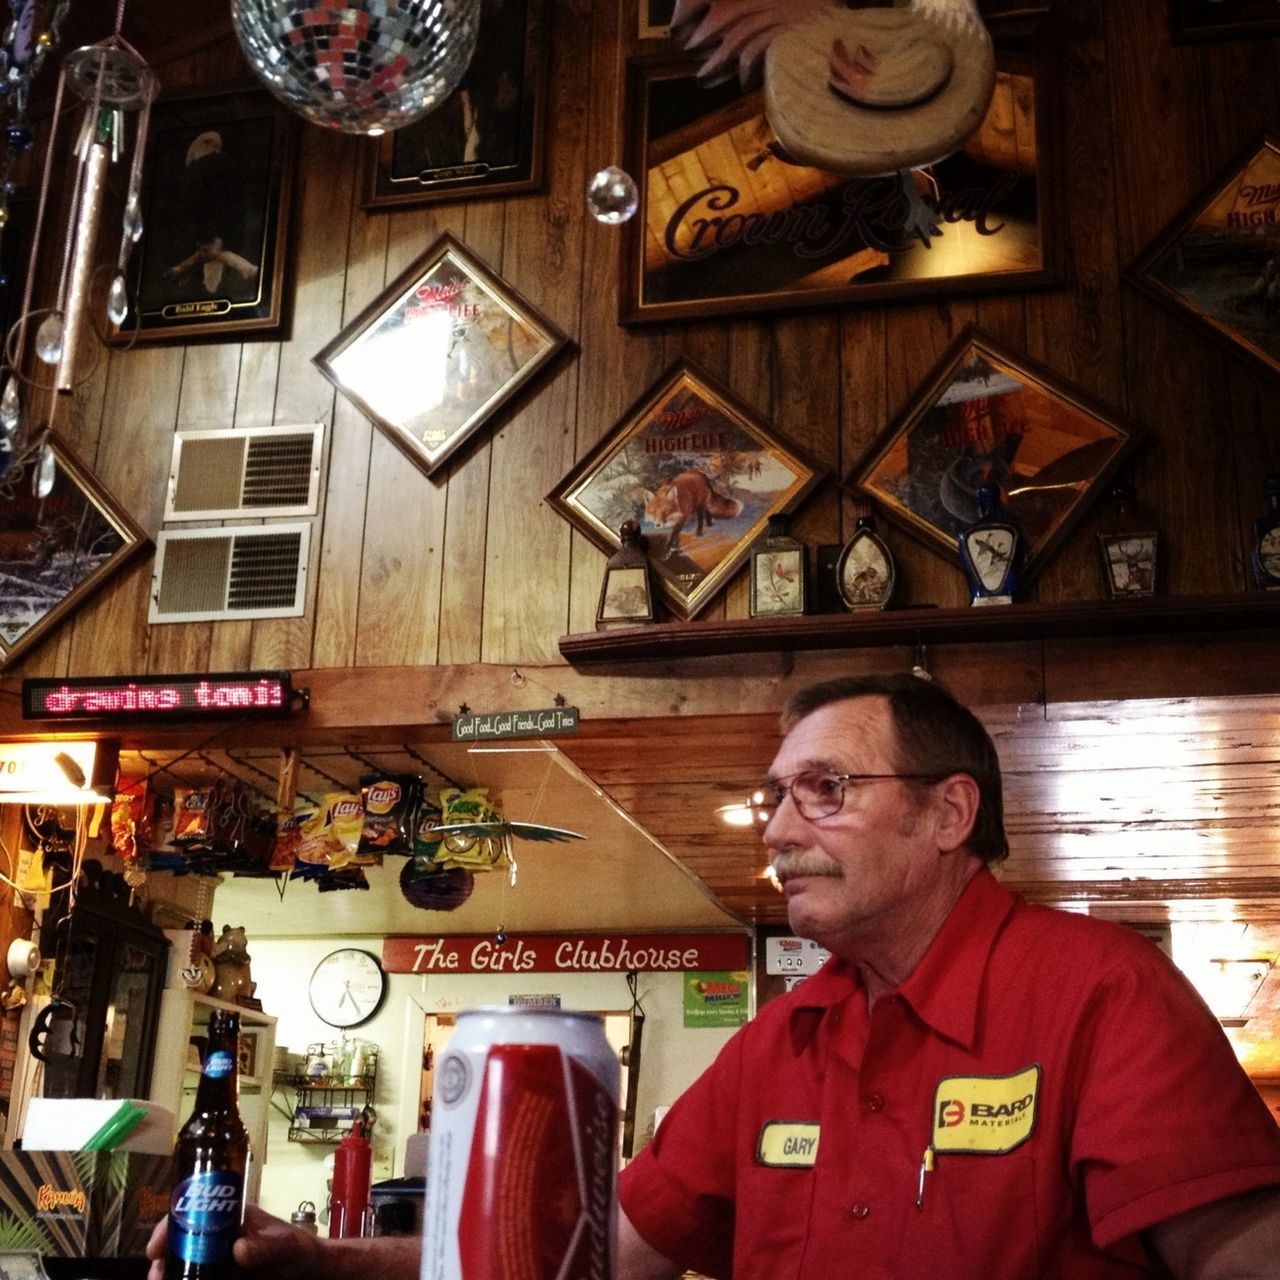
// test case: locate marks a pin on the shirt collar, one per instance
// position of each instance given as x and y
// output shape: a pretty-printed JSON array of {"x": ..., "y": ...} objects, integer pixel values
[{"x": 943, "y": 988}]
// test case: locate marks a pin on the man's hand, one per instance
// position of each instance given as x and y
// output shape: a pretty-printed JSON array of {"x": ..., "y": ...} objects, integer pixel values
[
  {"x": 285, "y": 1252},
  {"x": 265, "y": 1241}
]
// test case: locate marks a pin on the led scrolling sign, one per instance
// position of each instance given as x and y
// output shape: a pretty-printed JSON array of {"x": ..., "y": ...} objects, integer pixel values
[{"x": 185, "y": 697}]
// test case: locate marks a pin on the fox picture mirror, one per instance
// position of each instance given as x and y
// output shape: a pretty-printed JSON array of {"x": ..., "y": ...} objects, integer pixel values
[{"x": 701, "y": 473}]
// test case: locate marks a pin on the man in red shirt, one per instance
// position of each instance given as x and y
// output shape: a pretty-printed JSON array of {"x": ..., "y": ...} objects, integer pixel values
[{"x": 972, "y": 1088}]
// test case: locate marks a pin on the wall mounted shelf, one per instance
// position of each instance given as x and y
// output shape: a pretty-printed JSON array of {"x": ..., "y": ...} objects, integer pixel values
[{"x": 1154, "y": 615}]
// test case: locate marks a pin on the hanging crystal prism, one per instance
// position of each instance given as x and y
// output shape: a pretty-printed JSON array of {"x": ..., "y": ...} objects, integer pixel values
[
  {"x": 49, "y": 338},
  {"x": 46, "y": 472},
  {"x": 133, "y": 217},
  {"x": 10, "y": 406},
  {"x": 117, "y": 301}
]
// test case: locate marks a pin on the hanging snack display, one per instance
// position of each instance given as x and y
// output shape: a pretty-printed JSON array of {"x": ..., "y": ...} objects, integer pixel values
[
  {"x": 390, "y": 810},
  {"x": 474, "y": 853},
  {"x": 329, "y": 835}
]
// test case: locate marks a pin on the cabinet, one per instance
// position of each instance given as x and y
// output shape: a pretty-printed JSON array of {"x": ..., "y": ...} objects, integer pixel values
[
  {"x": 183, "y": 1017},
  {"x": 325, "y": 1105}
]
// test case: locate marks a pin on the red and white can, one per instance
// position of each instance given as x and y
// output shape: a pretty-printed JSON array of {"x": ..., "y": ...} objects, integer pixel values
[{"x": 523, "y": 1159}]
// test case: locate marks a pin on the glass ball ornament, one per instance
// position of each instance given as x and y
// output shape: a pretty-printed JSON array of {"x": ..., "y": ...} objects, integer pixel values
[
  {"x": 363, "y": 67},
  {"x": 612, "y": 195}
]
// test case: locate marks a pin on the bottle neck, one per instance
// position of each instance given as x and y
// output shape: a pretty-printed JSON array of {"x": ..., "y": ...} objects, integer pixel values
[{"x": 217, "y": 1088}]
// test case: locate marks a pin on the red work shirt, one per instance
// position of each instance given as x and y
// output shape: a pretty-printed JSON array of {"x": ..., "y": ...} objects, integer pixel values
[{"x": 1091, "y": 1090}]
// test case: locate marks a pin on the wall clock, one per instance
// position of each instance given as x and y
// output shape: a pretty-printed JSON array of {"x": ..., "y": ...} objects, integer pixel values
[{"x": 347, "y": 987}]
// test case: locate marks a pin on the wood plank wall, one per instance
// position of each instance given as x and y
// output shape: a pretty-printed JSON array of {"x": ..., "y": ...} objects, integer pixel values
[{"x": 471, "y": 566}]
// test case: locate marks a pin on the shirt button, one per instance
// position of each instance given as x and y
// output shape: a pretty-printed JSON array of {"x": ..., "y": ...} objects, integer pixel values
[
  {"x": 875, "y": 1102},
  {"x": 861, "y": 1210}
]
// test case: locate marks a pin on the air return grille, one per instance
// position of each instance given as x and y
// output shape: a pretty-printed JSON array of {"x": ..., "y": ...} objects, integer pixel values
[
  {"x": 257, "y": 471},
  {"x": 204, "y": 575}
]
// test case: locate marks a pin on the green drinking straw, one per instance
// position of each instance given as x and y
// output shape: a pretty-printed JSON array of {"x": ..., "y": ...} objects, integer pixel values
[{"x": 119, "y": 1125}]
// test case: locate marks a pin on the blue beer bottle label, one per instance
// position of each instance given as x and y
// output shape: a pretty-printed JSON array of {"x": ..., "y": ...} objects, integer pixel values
[
  {"x": 218, "y": 1064},
  {"x": 204, "y": 1216}
]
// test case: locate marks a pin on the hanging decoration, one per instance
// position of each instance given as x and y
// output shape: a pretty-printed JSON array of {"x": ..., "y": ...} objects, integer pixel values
[
  {"x": 109, "y": 79},
  {"x": 32, "y": 32},
  {"x": 865, "y": 92},
  {"x": 366, "y": 66}
]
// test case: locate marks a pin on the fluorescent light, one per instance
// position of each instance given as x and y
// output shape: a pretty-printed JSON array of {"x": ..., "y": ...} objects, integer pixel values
[{"x": 57, "y": 772}]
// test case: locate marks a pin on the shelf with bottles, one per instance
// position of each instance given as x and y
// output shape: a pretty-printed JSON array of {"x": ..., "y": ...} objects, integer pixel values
[{"x": 332, "y": 1087}]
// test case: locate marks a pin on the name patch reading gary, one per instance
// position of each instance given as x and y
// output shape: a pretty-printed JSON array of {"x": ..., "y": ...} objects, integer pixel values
[
  {"x": 788, "y": 1144},
  {"x": 986, "y": 1115}
]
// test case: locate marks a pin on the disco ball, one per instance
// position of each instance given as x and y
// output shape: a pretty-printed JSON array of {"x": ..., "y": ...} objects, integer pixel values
[{"x": 364, "y": 66}]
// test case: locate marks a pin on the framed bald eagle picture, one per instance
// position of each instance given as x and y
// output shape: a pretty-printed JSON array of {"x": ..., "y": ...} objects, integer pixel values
[{"x": 212, "y": 258}]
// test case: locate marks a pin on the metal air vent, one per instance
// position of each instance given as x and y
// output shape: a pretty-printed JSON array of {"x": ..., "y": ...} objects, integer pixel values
[
  {"x": 255, "y": 471},
  {"x": 204, "y": 575}
]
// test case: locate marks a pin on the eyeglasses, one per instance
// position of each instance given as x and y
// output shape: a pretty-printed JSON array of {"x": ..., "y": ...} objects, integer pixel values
[{"x": 817, "y": 793}]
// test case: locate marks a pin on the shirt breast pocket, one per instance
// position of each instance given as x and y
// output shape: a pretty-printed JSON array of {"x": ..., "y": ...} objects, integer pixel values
[{"x": 975, "y": 1208}]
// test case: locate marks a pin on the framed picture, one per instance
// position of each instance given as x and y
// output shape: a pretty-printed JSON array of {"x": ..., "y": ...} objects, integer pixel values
[
  {"x": 988, "y": 415},
  {"x": 655, "y": 18},
  {"x": 56, "y": 551},
  {"x": 729, "y": 226},
  {"x": 488, "y": 137},
  {"x": 1129, "y": 562},
  {"x": 1218, "y": 262},
  {"x": 217, "y": 192},
  {"x": 1220, "y": 19},
  {"x": 439, "y": 352},
  {"x": 700, "y": 472},
  {"x": 247, "y": 1054}
]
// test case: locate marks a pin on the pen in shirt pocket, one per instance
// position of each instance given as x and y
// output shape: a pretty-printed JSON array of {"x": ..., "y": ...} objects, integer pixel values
[{"x": 926, "y": 1166}]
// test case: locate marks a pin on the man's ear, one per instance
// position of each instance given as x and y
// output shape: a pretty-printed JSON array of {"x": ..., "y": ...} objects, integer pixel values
[{"x": 956, "y": 811}]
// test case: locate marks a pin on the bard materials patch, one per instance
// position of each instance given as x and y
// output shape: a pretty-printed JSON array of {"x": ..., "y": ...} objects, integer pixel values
[{"x": 985, "y": 1115}]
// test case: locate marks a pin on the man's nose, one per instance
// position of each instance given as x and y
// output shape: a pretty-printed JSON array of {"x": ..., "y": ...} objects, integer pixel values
[{"x": 785, "y": 825}]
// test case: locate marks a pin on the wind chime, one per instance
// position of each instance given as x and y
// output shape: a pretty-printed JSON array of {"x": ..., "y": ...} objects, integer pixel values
[{"x": 109, "y": 79}]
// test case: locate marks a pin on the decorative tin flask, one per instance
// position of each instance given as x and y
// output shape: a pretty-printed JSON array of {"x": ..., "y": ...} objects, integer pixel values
[
  {"x": 991, "y": 551},
  {"x": 1128, "y": 541},
  {"x": 865, "y": 572},
  {"x": 779, "y": 573},
  {"x": 1266, "y": 538}
]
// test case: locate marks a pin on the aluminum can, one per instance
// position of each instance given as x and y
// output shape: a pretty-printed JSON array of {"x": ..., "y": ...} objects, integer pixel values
[{"x": 523, "y": 1159}]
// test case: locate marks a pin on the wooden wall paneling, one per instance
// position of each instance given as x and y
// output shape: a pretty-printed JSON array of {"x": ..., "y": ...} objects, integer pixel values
[
  {"x": 465, "y": 483},
  {"x": 404, "y": 510},
  {"x": 111, "y": 636},
  {"x": 1176, "y": 381},
  {"x": 527, "y": 565},
  {"x": 1077, "y": 330},
  {"x": 615, "y": 366},
  {"x": 753, "y": 372},
  {"x": 331, "y": 289}
]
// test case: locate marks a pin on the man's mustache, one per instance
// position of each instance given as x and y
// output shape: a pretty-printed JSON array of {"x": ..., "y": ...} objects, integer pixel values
[{"x": 787, "y": 865}]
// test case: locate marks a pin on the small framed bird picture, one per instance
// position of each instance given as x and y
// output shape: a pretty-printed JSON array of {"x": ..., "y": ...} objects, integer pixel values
[{"x": 211, "y": 256}]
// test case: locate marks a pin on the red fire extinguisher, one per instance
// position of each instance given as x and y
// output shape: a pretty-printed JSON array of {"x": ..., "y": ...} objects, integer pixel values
[{"x": 352, "y": 1172}]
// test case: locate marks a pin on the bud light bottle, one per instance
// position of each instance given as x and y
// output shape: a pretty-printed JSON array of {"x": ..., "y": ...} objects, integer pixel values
[{"x": 209, "y": 1165}]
